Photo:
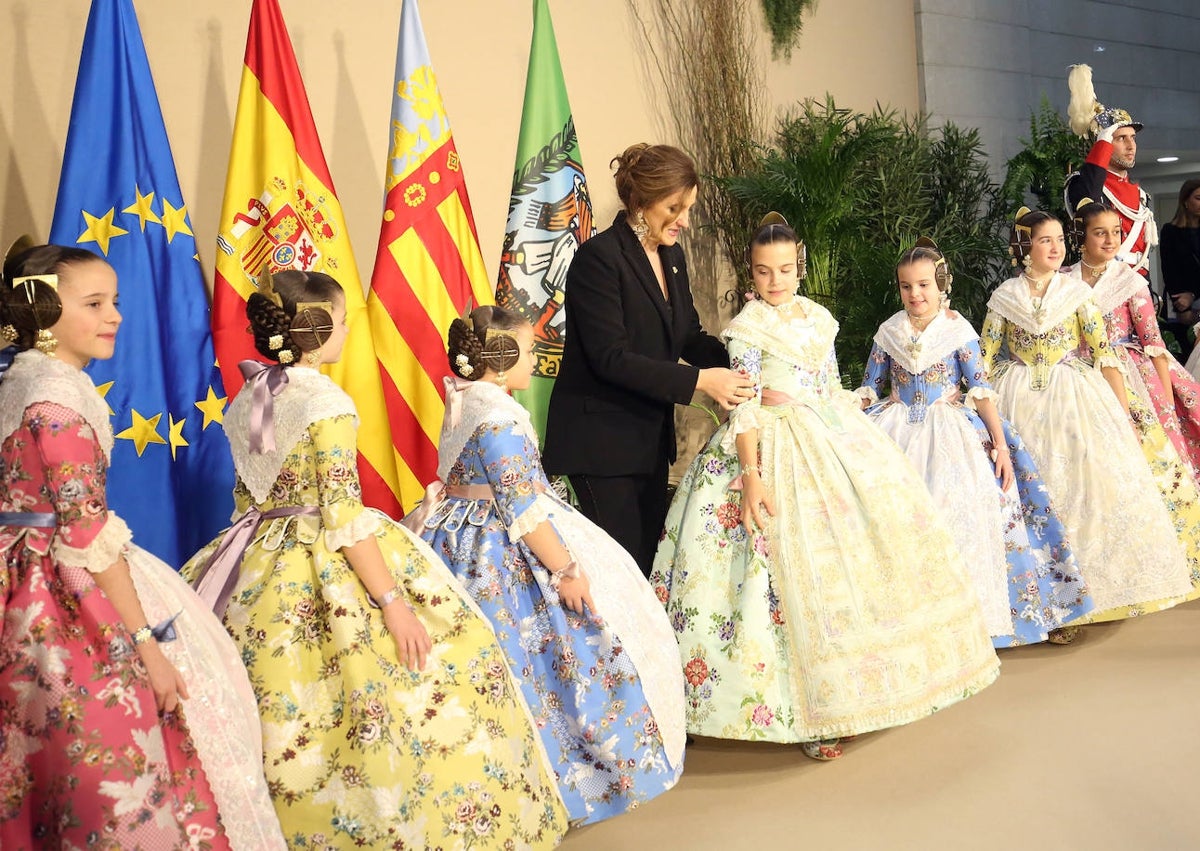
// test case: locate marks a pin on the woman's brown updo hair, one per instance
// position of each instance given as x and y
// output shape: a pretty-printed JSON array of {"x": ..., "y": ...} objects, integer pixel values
[
  {"x": 16, "y": 309},
  {"x": 470, "y": 351},
  {"x": 294, "y": 333},
  {"x": 649, "y": 173}
]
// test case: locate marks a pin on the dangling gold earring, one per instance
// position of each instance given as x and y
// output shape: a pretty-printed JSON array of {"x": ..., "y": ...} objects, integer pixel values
[
  {"x": 46, "y": 342},
  {"x": 502, "y": 379},
  {"x": 641, "y": 229},
  {"x": 1027, "y": 262},
  {"x": 313, "y": 358}
]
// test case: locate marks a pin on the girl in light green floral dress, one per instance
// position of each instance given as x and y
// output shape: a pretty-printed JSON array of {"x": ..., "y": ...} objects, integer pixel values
[{"x": 389, "y": 716}]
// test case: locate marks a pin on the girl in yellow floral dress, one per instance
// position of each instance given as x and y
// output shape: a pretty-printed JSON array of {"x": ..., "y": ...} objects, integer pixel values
[
  {"x": 389, "y": 716},
  {"x": 1046, "y": 349}
]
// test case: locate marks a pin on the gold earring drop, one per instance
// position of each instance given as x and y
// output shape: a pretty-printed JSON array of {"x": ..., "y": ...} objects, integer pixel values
[{"x": 46, "y": 342}]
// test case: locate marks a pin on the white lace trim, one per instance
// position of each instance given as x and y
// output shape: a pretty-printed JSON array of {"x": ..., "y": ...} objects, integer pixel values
[
  {"x": 35, "y": 377},
  {"x": 101, "y": 553},
  {"x": 543, "y": 508},
  {"x": 745, "y": 417},
  {"x": 483, "y": 402},
  {"x": 942, "y": 336},
  {"x": 977, "y": 393},
  {"x": 1063, "y": 297},
  {"x": 802, "y": 342},
  {"x": 867, "y": 394},
  {"x": 1155, "y": 351},
  {"x": 1116, "y": 286},
  {"x": 363, "y": 526},
  {"x": 307, "y": 398}
]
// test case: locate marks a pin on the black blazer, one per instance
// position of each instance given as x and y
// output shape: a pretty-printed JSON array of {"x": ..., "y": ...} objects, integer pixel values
[{"x": 612, "y": 408}]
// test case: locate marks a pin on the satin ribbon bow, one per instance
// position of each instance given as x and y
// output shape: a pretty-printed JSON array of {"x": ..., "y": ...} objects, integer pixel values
[
  {"x": 267, "y": 382},
  {"x": 454, "y": 400}
]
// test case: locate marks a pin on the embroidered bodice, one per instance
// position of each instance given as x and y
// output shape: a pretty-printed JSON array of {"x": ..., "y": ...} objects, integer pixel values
[
  {"x": 793, "y": 357},
  {"x": 926, "y": 368},
  {"x": 1063, "y": 328},
  {"x": 1124, "y": 300}
]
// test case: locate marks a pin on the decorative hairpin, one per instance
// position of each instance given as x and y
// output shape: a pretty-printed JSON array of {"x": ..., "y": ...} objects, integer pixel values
[
  {"x": 266, "y": 286},
  {"x": 466, "y": 316}
]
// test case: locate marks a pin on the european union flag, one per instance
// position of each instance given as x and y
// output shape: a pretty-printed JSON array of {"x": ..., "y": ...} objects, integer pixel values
[{"x": 172, "y": 475}]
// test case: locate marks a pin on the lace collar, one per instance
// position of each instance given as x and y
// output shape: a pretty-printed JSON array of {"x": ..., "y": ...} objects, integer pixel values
[
  {"x": 35, "y": 377},
  {"x": 1117, "y": 285},
  {"x": 804, "y": 342},
  {"x": 479, "y": 402},
  {"x": 940, "y": 337},
  {"x": 1063, "y": 297},
  {"x": 307, "y": 398}
]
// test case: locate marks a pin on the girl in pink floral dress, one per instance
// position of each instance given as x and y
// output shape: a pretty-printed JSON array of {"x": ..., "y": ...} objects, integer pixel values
[
  {"x": 1151, "y": 373},
  {"x": 108, "y": 739}
]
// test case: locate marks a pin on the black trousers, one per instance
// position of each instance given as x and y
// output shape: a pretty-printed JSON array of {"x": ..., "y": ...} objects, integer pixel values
[{"x": 632, "y": 509}]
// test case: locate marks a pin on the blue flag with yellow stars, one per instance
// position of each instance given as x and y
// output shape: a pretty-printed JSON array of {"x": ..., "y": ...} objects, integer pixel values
[{"x": 171, "y": 476}]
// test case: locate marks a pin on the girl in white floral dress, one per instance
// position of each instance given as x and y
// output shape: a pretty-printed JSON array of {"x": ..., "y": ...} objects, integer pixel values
[
  {"x": 814, "y": 591},
  {"x": 389, "y": 716}
]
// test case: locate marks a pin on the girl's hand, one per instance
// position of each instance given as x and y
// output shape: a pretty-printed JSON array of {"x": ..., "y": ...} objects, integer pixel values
[
  {"x": 575, "y": 592},
  {"x": 412, "y": 641},
  {"x": 757, "y": 504},
  {"x": 1004, "y": 467},
  {"x": 165, "y": 680}
]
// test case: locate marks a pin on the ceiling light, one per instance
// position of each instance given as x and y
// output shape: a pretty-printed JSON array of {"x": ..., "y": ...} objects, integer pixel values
[{"x": 1168, "y": 159}]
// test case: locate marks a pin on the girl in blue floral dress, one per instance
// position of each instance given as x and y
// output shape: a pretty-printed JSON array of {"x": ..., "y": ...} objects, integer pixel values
[
  {"x": 1013, "y": 543},
  {"x": 576, "y": 619}
]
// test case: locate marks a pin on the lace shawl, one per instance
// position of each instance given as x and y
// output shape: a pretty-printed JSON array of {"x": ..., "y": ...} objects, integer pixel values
[
  {"x": 764, "y": 327},
  {"x": 1063, "y": 297},
  {"x": 35, "y": 377},
  {"x": 482, "y": 402},
  {"x": 1116, "y": 286},
  {"x": 307, "y": 398},
  {"x": 939, "y": 339}
]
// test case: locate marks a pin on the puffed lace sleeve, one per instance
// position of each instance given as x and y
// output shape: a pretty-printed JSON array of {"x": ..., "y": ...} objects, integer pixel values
[
  {"x": 343, "y": 515},
  {"x": 88, "y": 534},
  {"x": 510, "y": 463},
  {"x": 747, "y": 416},
  {"x": 1095, "y": 334},
  {"x": 974, "y": 374}
]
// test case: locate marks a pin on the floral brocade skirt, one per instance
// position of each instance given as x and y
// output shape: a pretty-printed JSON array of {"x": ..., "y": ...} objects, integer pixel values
[
  {"x": 851, "y": 613},
  {"x": 359, "y": 751}
]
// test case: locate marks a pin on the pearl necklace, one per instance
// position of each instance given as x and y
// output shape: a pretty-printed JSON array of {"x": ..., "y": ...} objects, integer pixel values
[{"x": 1096, "y": 272}]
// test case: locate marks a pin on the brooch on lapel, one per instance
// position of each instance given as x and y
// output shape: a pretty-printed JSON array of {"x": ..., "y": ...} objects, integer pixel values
[{"x": 675, "y": 270}]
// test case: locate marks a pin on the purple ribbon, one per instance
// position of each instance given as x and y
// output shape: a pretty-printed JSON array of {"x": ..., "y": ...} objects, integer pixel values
[
  {"x": 266, "y": 382},
  {"x": 216, "y": 580}
]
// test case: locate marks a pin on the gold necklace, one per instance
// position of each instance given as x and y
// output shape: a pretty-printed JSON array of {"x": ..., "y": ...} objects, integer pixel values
[{"x": 1038, "y": 287}]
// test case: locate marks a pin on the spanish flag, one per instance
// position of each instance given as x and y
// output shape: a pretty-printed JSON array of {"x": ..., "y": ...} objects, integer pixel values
[
  {"x": 281, "y": 210},
  {"x": 428, "y": 263}
]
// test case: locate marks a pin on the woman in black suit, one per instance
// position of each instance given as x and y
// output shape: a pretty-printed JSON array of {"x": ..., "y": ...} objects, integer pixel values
[{"x": 629, "y": 319}]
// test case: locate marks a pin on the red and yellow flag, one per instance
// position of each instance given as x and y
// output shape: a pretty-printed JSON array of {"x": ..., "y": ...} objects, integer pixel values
[
  {"x": 281, "y": 210},
  {"x": 428, "y": 263}
]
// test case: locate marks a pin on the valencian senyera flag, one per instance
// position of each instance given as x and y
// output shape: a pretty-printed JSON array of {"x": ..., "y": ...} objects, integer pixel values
[
  {"x": 171, "y": 476},
  {"x": 549, "y": 213},
  {"x": 281, "y": 211},
  {"x": 428, "y": 264}
]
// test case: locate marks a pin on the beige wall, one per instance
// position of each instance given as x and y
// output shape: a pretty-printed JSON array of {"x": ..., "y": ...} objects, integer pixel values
[{"x": 863, "y": 51}]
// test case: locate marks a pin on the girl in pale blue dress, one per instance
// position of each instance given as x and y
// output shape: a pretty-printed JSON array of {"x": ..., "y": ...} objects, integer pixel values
[
  {"x": 1013, "y": 543},
  {"x": 579, "y": 624}
]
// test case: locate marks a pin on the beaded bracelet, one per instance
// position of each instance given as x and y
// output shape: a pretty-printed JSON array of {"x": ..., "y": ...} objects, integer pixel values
[
  {"x": 142, "y": 635},
  {"x": 571, "y": 571},
  {"x": 752, "y": 468},
  {"x": 390, "y": 596}
]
